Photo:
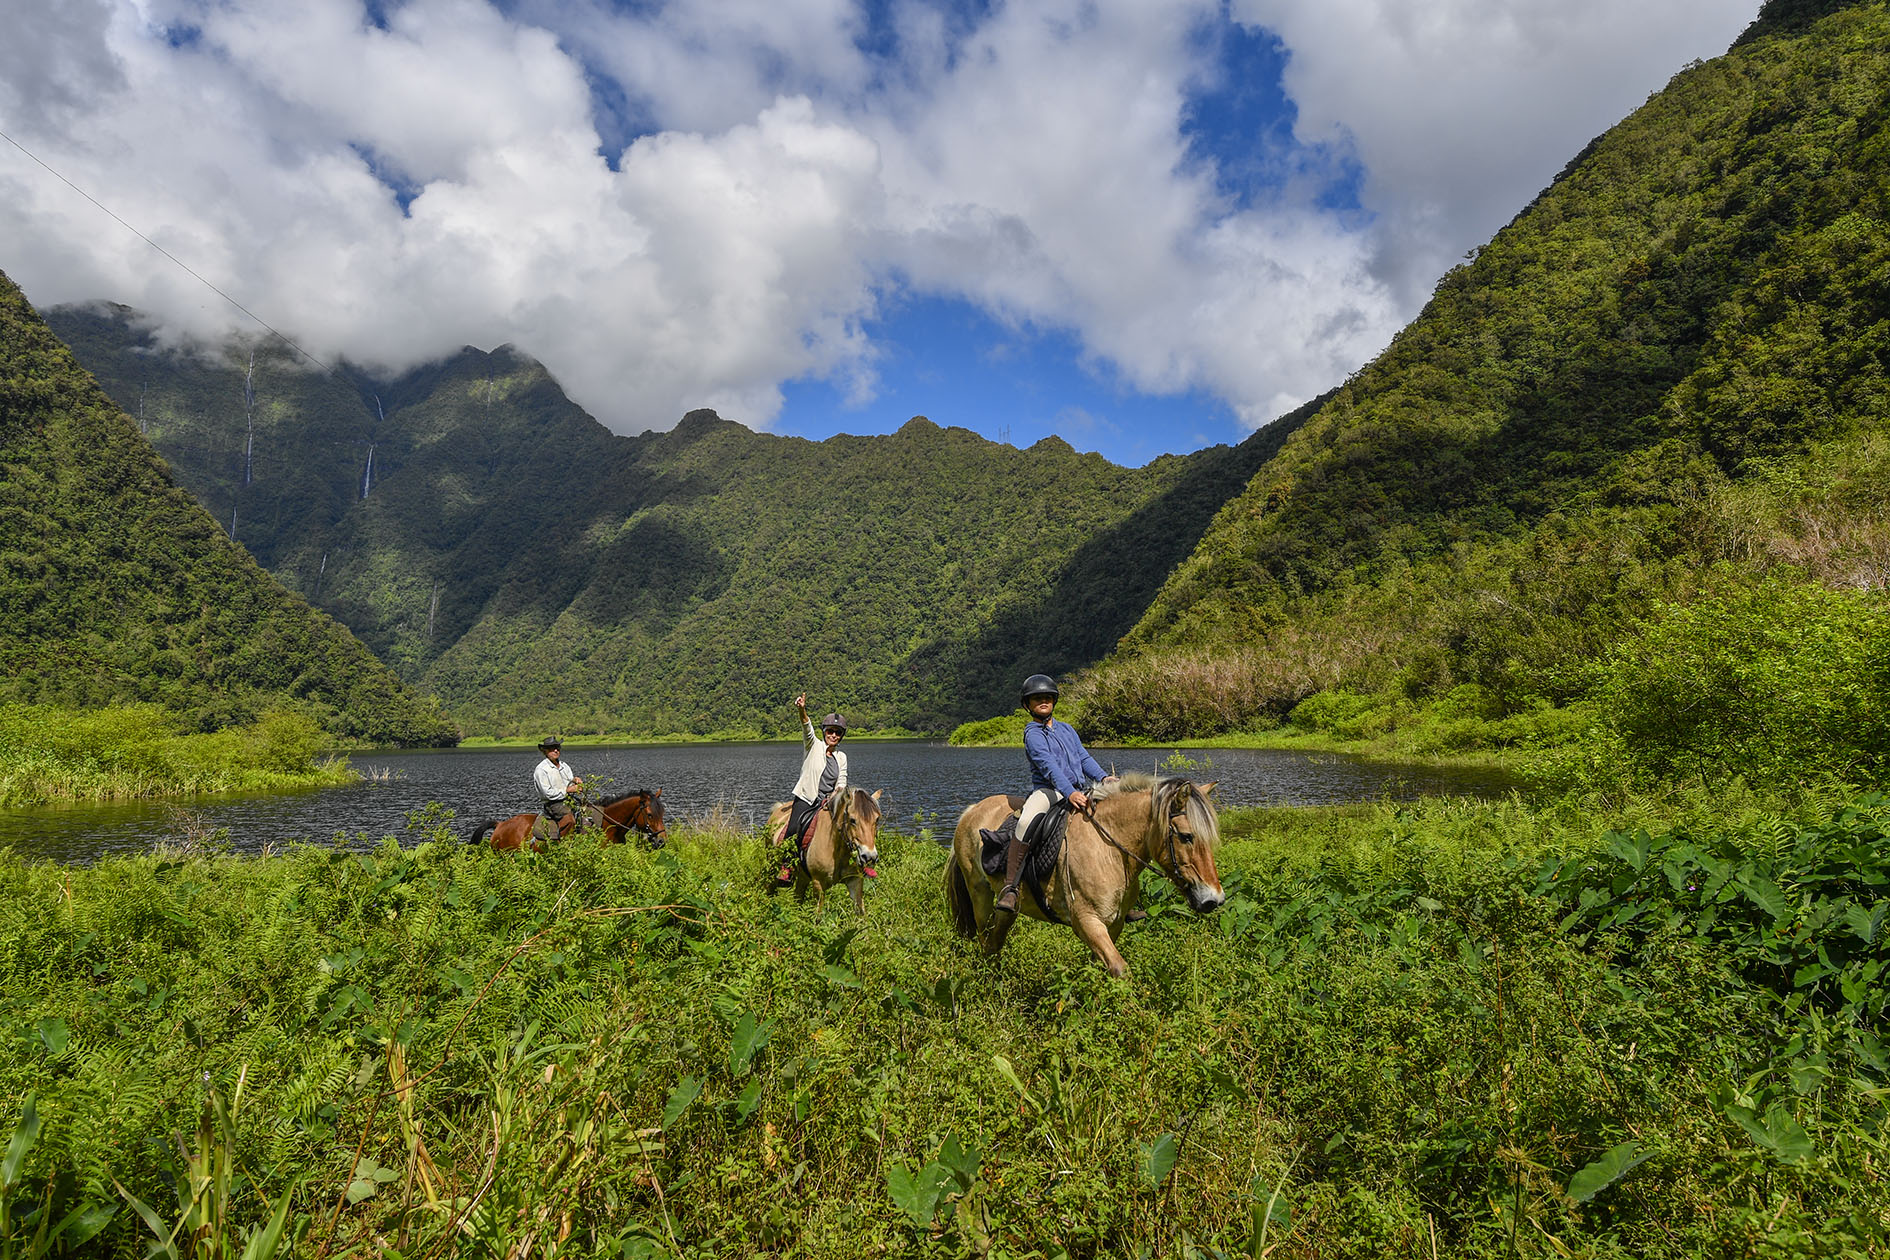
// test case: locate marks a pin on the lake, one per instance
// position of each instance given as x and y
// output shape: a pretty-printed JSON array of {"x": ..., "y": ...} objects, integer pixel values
[{"x": 924, "y": 783}]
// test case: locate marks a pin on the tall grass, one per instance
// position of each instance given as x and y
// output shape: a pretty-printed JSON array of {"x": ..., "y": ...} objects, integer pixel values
[
  {"x": 1386, "y": 1043},
  {"x": 134, "y": 751}
]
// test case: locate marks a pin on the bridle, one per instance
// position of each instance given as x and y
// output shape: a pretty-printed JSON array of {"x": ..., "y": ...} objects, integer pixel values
[
  {"x": 1172, "y": 836},
  {"x": 844, "y": 826},
  {"x": 638, "y": 819}
]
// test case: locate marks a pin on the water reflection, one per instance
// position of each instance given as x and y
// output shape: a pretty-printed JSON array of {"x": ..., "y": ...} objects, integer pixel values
[{"x": 924, "y": 784}]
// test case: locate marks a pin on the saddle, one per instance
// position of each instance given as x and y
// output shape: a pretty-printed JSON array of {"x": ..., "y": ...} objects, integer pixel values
[{"x": 1045, "y": 843}]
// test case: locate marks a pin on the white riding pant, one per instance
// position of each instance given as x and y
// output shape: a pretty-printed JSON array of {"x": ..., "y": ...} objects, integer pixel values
[{"x": 1039, "y": 804}]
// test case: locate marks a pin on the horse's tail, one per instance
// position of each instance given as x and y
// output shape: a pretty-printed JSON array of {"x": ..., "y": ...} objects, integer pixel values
[
  {"x": 479, "y": 833},
  {"x": 958, "y": 894}
]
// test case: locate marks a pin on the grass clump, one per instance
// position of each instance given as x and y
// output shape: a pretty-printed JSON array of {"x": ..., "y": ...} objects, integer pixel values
[
  {"x": 49, "y": 753},
  {"x": 1489, "y": 1028}
]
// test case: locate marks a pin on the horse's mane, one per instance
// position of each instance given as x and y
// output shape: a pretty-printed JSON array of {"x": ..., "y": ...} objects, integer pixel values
[
  {"x": 626, "y": 796},
  {"x": 1162, "y": 790}
]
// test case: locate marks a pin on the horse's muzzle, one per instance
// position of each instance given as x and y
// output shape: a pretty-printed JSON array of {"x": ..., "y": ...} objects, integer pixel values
[
  {"x": 1203, "y": 899},
  {"x": 869, "y": 857}
]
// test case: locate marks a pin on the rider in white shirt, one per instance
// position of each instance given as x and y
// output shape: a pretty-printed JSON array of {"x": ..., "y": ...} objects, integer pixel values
[{"x": 554, "y": 781}]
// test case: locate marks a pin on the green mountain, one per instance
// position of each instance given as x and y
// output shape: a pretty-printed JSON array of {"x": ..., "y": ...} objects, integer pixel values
[
  {"x": 119, "y": 587},
  {"x": 1672, "y": 369},
  {"x": 505, "y": 552}
]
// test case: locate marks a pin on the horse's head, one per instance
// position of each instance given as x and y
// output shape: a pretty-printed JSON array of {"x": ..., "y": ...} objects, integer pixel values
[
  {"x": 1184, "y": 848},
  {"x": 856, "y": 822},
  {"x": 640, "y": 811}
]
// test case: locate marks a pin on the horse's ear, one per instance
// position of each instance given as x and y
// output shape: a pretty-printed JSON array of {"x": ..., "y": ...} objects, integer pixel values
[
  {"x": 657, "y": 792},
  {"x": 1209, "y": 786},
  {"x": 876, "y": 795}
]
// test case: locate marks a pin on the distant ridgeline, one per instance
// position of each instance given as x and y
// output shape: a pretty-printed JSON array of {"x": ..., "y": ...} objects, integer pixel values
[
  {"x": 500, "y": 548},
  {"x": 117, "y": 586},
  {"x": 1667, "y": 378}
]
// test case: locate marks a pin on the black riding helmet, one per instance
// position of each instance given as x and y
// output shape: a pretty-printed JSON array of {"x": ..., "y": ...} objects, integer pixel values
[
  {"x": 1039, "y": 685},
  {"x": 834, "y": 722}
]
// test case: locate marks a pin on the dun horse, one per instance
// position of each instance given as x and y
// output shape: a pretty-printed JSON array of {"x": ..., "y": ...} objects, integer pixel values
[
  {"x": 1167, "y": 823},
  {"x": 844, "y": 838},
  {"x": 640, "y": 811}
]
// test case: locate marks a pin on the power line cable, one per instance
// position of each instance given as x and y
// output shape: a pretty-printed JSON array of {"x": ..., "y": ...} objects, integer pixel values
[{"x": 167, "y": 253}]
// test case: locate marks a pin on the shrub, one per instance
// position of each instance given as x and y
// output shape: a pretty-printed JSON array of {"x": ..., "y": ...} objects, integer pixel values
[{"x": 1778, "y": 681}]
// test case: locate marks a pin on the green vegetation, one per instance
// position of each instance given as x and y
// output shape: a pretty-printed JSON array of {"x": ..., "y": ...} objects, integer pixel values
[
  {"x": 1490, "y": 1030},
  {"x": 133, "y": 751},
  {"x": 119, "y": 589},
  {"x": 512, "y": 557},
  {"x": 1667, "y": 374}
]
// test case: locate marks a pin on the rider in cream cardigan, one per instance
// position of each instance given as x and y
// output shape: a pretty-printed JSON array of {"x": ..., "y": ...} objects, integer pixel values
[{"x": 823, "y": 776}]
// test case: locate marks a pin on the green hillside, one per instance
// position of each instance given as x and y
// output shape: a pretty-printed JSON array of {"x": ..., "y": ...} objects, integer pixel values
[
  {"x": 1666, "y": 377},
  {"x": 533, "y": 570},
  {"x": 119, "y": 588}
]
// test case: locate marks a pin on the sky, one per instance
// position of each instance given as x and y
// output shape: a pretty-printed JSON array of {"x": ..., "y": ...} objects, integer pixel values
[{"x": 1144, "y": 226}]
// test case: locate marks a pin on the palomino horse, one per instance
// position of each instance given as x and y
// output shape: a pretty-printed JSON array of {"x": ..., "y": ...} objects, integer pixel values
[
  {"x": 1167, "y": 823},
  {"x": 843, "y": 839},
  {"x": 640, "y": 811}
]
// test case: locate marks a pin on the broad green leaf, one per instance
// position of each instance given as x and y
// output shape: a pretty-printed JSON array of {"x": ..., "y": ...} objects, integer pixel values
[
  {"x": 1158, "y": 1159},
  {"x": 53, "y": 1034},
  {"x": 916, "y": 1194},
  {"x": 1766, "y": 895},
  {"x": 687, "y": 1090},
  {"x": 748, "y": 1099},
  {"x": 750, "y": 1036},
  {"x": 840, "y": 976},
  {"x": 83, "y": 1223},
  {"x": 835, "y": 951},
  {"x": 1604, "y": 1172},
  {"x": 962, "y": 1160},
  {"x": 25, "y": 1138}
]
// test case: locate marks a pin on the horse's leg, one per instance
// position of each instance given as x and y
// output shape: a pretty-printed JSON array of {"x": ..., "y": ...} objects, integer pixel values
[
  {"x": 858, "y": 885},
  {"x": 1101, "y": 940}
]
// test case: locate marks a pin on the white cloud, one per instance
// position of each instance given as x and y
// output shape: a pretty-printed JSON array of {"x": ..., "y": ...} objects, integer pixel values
[{"x": 1031, "y": 160}]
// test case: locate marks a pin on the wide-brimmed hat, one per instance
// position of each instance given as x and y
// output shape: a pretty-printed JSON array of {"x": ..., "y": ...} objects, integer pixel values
[
  {"x": 832, "y": 722},
  {"x": 550, "y": 742}
]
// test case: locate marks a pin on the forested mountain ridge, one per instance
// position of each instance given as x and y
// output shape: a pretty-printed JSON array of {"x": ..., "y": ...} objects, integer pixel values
[
  {"x": 119, "y": 588},
  {"x": 506, "y": 552},
  {"x": 1677, "y": 355}
]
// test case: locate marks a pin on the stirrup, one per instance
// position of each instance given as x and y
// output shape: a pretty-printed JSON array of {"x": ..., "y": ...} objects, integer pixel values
[{"x": 1009, "y": 894}]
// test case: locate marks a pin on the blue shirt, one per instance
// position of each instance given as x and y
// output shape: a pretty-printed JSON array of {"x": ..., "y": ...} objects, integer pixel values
[{"x": 1057, "y": 757}]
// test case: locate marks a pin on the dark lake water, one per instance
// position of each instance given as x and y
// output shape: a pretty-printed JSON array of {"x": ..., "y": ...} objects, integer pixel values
[{"x": 925, "y": 784}]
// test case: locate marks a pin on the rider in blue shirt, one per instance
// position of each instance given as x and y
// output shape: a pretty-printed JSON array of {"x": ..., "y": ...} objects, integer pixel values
[{"x": 1061, "y": 769}]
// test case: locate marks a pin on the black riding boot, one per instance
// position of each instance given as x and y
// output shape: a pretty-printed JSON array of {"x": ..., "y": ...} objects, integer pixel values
[{"x": 1013, "y": 870}]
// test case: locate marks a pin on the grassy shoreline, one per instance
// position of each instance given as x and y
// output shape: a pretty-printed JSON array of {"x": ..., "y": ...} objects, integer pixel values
[
  {"x": 135, "y": 752},
  {"x": 1400, "y": 1028}
]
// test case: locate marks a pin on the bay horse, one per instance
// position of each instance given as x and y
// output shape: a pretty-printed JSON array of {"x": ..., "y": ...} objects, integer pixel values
[
  {"x": 1142, "y": 821},
  {"x": 843, "y": 839},
  {"x": 640, "y": 811}
]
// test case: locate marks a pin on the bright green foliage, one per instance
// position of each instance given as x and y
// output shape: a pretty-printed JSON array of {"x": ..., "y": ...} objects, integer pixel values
[
  {"x": 1779, "y": 682},
  {"x": 1618, "y": 392},
  {"x": 132, "y": 751},
  {"x": 118, "y": 588},
  {"x": 1386, "y": 1031}
]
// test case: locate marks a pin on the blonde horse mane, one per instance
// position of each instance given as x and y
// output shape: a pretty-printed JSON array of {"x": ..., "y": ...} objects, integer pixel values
[{"x": 1162, "y": 790}]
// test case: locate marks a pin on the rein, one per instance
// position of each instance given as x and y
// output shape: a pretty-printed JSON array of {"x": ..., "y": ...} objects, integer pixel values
[{"x": 1174, "y": 863}]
